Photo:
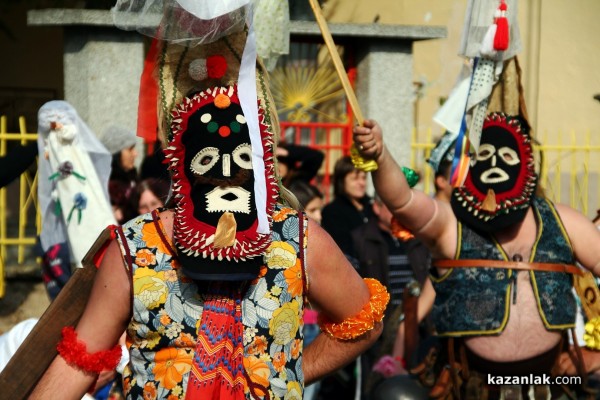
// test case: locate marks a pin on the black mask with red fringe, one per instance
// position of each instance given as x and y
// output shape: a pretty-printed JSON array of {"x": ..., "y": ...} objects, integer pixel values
[
  {"x": 500, "y": 185},
  {"x": 210, "y": 154}
]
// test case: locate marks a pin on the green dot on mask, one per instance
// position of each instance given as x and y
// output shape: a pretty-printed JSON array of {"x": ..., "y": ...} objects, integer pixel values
[
  {"x": 235, "y": 127},
  {"x": 212, "y": 126}
]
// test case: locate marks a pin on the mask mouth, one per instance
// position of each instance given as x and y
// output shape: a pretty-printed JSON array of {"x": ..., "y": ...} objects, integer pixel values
[
  {"x": 494, "y": 175},
  {"x": 233, "y": 199}
]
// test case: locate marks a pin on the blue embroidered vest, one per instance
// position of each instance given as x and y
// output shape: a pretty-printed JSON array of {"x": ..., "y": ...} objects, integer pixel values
[
  {"x": 476, "y": 301},
  {"x": 166, "y": 309}
]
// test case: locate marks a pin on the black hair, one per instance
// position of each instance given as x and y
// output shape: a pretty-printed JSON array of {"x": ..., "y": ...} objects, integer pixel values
[
  {"x": 342, "y": 168},
  {"x": 305, "y": 192}
]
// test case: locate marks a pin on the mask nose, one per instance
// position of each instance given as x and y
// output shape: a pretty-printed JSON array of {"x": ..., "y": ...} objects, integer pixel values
[
  {"x": 224, "y": 131},
  {"x": 226, "y": 165},
  {"x": 494, "y": 160}
]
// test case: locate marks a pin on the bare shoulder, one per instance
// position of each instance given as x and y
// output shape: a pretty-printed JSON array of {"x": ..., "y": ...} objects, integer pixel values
[
  {"x": 167, "y": 217},
  {"x": 583, "y": 235},
  {"x": 572, "y": 219}
]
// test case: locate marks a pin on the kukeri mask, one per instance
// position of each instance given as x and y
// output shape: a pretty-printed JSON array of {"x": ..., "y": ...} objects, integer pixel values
[
  {"x": 501, "y": 182},
  {"x": 215, "y": 225}
]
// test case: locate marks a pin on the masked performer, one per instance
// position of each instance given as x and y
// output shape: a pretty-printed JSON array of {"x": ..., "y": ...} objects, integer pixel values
[
  {"x": 505, "y": 255},
  {"x": 211, "y": 291}
]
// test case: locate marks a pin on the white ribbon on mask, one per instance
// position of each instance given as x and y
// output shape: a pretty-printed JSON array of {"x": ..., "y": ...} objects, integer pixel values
[{"x": 248, "y": 101}]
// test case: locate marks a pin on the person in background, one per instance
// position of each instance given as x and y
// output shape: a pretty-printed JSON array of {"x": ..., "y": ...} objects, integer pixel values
[
  {"x": 396, "y": 263},
  {"x": 121, "y": 199},
  {"x": 441, "y": 161},
  {"x": 310, "y": 198},
  {"x": 120, "y": 142},
  {"x": 298, "y": 163},
  {"x": 150, "y": 194},
  {"x": 73, "y": 174},
  {"x": 153, "y": 166},
  {"x": 350, "y": 208}
]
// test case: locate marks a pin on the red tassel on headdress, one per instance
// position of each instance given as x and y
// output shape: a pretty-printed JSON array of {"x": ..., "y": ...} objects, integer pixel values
[
  {"x": 147, "y": 124},
  {"x": 502, "y": 30}
]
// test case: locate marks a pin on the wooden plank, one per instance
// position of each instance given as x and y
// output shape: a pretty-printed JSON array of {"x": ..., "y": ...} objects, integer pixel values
[{"x": 37, "y": 352}]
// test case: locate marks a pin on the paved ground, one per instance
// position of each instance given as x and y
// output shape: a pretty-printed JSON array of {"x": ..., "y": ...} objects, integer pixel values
[{"x": 24, "y": 298}]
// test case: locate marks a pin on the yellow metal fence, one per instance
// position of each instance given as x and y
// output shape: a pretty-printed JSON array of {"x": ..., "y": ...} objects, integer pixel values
[
  {"x": 569, "y": 173},
  {"x": 20, "y": 221}
]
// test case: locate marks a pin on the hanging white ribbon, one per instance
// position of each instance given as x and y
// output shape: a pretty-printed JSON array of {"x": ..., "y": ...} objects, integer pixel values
[{"x": 248, "y": 101}]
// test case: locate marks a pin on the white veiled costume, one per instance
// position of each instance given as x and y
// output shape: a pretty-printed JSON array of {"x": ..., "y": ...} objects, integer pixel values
[{"x": 74, "y": 168}]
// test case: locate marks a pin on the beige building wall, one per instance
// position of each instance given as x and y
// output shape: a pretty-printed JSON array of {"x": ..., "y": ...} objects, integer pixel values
[{"x": 560, "y": 57}]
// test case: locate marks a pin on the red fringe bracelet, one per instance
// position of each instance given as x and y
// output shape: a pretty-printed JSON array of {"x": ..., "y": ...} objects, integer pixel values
[{"x": 74, "y": 352}]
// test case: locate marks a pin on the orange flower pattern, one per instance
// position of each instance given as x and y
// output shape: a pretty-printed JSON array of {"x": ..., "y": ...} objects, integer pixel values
[
  {"x": 170, "y": 366},
  {"x": 167, "y": 307},
  {"x": 144, "y": 258}
]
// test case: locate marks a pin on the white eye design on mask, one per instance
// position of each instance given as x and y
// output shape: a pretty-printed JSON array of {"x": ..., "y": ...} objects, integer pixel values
[
  {"x": 204, "y": 160},
  {"x": 242, "y": 156},
  {"x": 508, "y": 155},
  {"x": 485, "y": 151}
]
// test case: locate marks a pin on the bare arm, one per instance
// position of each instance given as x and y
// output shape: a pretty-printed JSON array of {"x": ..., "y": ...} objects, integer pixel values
[
  {"x": 102, "y": 323},
  {"x": 336, "y": 290},
  {"x": 430, "y": 220},
  {"x": 584, "y": 236}
]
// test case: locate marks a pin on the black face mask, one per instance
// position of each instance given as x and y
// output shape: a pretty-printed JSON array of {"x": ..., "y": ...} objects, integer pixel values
[
  {"x": 215, "y": 226},
  {"x": 498, "y": 163},
  {"x": 501, "y": 182},
  {"x": 218, "y": 165}
]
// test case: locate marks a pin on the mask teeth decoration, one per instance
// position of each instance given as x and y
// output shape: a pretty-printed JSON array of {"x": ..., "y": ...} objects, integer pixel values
[
  {"x": 482, "y": 209},
  {"x": 247, "y": 244}
]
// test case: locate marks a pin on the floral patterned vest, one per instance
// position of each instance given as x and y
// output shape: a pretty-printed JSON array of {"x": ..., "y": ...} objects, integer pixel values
[
  {"x": 476, "y": 301},
  {"x": 166, "y": 309}
]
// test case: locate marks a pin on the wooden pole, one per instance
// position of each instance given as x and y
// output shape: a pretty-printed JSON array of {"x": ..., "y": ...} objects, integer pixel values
[
  {"x": 357, "y": 160},
  {"x": 337, "y": 61}
]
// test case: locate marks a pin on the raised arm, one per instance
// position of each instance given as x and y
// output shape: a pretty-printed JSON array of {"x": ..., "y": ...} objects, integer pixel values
[
  {"x": 102, "y": 323},
  {"x": 430, "y": 220},
  {"x": 338, "y": 292}
]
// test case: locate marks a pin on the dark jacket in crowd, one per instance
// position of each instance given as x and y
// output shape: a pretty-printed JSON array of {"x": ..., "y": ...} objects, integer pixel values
[
  {"x": 371, "y": 250},
  {"x": 340, "y": 217}
]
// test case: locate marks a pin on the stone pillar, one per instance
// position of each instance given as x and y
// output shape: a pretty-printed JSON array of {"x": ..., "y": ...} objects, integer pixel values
[
  {"x": 102, "y": 65},
  {"x": 385, "y": 92}
]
